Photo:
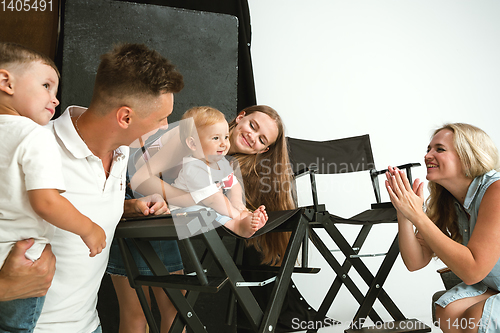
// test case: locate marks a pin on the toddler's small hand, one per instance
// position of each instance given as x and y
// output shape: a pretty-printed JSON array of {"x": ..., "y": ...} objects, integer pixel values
[{"x": 95, "y": 240}]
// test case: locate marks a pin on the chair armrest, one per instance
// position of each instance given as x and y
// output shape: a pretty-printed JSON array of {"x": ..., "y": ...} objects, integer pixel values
[
  {"x": 382, "y": 205},
  {"x": 403, "y": 166},
  {"x": 305, "y": 171},
  {"x": 311, "y": 172},
  {"x": 443, "y": 270},
  {"x": 449, "y": 278},
  {"x": 375, "y": 173}
]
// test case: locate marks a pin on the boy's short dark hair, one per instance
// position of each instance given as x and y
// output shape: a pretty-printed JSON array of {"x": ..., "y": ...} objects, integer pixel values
[
  {"x": 134, "y": 69},
  {"x": 16, "y": 54}
]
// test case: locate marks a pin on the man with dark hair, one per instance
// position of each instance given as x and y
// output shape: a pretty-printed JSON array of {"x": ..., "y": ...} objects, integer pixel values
[{"x": 133, "y": 96}]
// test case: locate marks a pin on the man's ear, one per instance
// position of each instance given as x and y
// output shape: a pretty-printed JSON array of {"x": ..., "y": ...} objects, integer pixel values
[
  {"x": 191, "y": 143},
  {"x": 124, "y": 116},
  {"x": 6, "y": 82},
  {"x": 263, "y": 150},
  {"x": 240, "y": 116}
]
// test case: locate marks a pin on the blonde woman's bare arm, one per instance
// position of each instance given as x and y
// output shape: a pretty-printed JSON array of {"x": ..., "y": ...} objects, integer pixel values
[
  {"x": 472, "y": 262},
  {"x": 415, "y": 252}
]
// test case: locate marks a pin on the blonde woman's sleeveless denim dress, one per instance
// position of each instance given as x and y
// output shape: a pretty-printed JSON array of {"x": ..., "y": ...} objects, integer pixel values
[{"x": 490, "y": 320}]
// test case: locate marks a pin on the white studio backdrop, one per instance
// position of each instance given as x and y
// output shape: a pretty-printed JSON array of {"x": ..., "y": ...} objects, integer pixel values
[{"x": 395, "y": 69}]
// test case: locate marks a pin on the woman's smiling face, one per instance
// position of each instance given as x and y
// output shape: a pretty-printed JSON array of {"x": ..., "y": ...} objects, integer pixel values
[
  {"x": 253, "y": 133},
  {"x": 442, "y": 161}
]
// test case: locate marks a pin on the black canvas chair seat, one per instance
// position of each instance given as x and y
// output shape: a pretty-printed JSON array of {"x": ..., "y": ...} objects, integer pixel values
[
  {"x": 345, "y": 156},
  {"x": 371, "y": 216},
  {"x": 141, "y": 230}
]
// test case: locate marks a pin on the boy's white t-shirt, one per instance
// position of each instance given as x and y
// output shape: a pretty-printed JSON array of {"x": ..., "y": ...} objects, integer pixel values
[
  {"x": 202, "y": 181},
  {"x": 29, "y": 160}
]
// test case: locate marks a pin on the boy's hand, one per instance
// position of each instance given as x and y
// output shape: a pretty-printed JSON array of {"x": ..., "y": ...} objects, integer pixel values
[{"x": 95, "y": 240}]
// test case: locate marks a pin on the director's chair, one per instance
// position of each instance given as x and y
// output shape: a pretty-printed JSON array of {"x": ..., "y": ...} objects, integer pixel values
[
  {"x": 344, "y": 156},
  {"x": 141, "y": 230}
]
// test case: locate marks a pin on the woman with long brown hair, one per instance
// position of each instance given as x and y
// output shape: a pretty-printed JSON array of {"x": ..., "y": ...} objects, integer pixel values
[{"x": 267, "y": 177}]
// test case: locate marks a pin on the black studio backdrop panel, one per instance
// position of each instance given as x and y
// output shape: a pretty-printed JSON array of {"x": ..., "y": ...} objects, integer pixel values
[
  {"x": 238, "y": 8},
  {"x": 202, "y": 45}
]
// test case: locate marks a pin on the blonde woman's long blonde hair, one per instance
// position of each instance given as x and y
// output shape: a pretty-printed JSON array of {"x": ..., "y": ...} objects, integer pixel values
[{"x": 478, "y": 155}]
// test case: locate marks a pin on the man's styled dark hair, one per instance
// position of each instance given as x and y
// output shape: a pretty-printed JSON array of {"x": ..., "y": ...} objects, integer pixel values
[{"x": 135, "y": 70}]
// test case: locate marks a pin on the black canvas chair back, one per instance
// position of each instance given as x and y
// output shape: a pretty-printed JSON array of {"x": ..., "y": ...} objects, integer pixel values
[
  {"x": 333, "y": 156},
  {"x": 346, "y": 155}
]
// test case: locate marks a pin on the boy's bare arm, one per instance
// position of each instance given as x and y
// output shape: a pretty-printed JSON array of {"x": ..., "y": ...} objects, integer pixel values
[
  {"x": 221, "y": 204},
  {"x": 58, "y": 211},
  {"x": 235, "y": 195}
]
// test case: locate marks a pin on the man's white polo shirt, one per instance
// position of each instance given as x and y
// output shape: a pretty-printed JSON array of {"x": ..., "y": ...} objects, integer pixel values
[{"x": 71, "y": 302}]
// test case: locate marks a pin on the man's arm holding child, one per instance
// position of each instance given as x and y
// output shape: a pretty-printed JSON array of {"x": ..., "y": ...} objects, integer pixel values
[
  {"x": 58, "y": 211},
  {"x": 22, "y": 278}
]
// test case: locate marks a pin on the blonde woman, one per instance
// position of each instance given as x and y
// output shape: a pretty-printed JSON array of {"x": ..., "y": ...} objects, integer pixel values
[{"x": 461, "y": 224}]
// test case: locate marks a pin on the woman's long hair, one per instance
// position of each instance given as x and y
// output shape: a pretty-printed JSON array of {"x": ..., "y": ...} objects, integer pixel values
[
  {"x": 268, "y": 180},
  {"x": 478, "y": 155}
]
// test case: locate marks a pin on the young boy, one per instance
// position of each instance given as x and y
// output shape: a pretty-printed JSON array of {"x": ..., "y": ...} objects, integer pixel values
[
  {"x": 31, "y": 176},
  {"x": 208, "y": 176}
]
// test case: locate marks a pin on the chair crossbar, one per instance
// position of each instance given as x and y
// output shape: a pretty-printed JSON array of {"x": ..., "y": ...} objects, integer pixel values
[
  {"x": 339, "y": 250},
  {"x": 367, "y": 255},
  {"x": 256, "y": 284},
  {"x": 273, "y": 269},
  {"x": 194, "y": 273},
  {"x": 178, "y": 281}
]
